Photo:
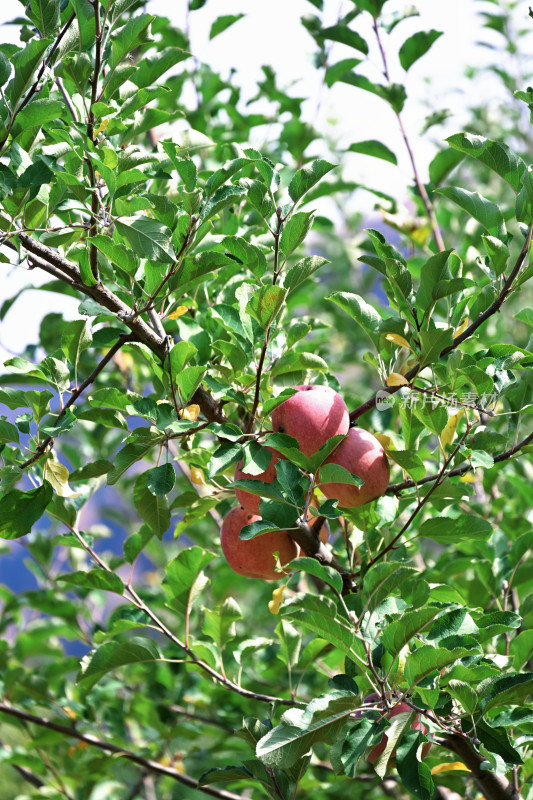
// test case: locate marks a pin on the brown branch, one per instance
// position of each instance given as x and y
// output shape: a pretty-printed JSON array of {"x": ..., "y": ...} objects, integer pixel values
[
  {"x": 93, "y": 741},
  {"x": 492, "y": 785},
  {"x": 492, "y": 309},
  {"x": 396, "y": 488},
  {"x": 133, "y": 597},
  {"x": 421, "y": 503},
  {"x": 126, "y": 337},
  {"x": 35, "y": 86},
  {"x": 276, "y": 234},
  {"x": 106, "y": 298},
  {"x": 428, "y": 205}
]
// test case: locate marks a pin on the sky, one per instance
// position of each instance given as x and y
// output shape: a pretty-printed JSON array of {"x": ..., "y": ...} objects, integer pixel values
[{"x": 272, "y": 34}]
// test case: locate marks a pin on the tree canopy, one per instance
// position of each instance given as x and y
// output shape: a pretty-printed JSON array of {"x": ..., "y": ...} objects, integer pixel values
[{"x": 218, "y": 263}]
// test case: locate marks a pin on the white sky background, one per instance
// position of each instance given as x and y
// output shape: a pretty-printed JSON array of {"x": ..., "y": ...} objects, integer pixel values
[{"x": 271, "y": 33}]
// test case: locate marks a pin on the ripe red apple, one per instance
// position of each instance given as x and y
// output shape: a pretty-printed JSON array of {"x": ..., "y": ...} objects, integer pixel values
[
  {"x": 251, "y": 501},
  {"x": 362, "y": 454},
  {"x": 255, "y": 557},
  {"x": 312, "y": 417},
  {"x": 401, "y": 708}
]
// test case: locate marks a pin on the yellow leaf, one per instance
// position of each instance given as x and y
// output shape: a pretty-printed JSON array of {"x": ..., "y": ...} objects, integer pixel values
[
  {"x": 397, "y": 339},
  {"x": 384, "y": 440},
  {"x": 468, "y": 477},
  {"x": 395, "y": 379},
  {"x": 448, "y": 432},
  {"x": 449, "y": 766},
  {"x": 277, "y": 600},
  {"x": 197, "y": 477},
  {"x": 179, "y": 312},
  {"x": 191, "y": 412},
  {"x": 69, "y": 712},
  {"x": 462, "y": 327},
  {"x": 57, "y": 474},
  {"x": 103, "y": 125}
]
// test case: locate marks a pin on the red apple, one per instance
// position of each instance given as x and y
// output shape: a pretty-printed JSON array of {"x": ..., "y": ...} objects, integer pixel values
[
  {"x": 312, "y": 417},
  {"x": 401, "y": 708},
  {"x": 251, "y": 501},
  {"x": 255, "y": 557},
  {"x": 361, "y": 454}
]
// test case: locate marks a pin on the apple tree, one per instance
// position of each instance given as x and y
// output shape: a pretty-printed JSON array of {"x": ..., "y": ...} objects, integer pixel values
[{"x": 380, "y": 644}]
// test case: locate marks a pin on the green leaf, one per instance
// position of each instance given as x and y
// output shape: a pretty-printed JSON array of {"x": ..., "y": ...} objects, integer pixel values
[
  {"x": 295, "y": 231},
  {"x": 76, "y": 338},
  {"x": 504, "y": 690},
  {"x": 409, "y": 461},
  {"x": 147, "y": 237},
  {"x": 8, "y": 432},
  {"x": 222, "y": 23},
  {"x": 25, "y": 62},
  {"x": 485, "y": 211},
  {"x": 93, "y": 469},
  {"x": 319, "y": 615},
  {"x": 496, "y": 740},
  {"x": 371, "y": 147},
  {"x": 334, "y": 473},
  {"x": 37, "y": 113},
  {"x": 118, "y": 254},
  {"x": 180, "y": 354},
  {"x": 160, "y": 480},
  {"x": 295, "y": 360},
  {"x": 415, "y": 775},
  {"x": 151, "y": 508},
  {"x": 464, "y": 693},
  {"x": 188, "y": 381},
  {"x": 94, "y": 579},
  {"x": 130, "y": 453},
  {"x": 343, "y": 35},
  {"x": 265, "y": 304},
  {"x": 184, "y": 577},
  {"x": 446, "y": 530},
  {"x": 398, "y": 633},
  {"x": 156, "y": 65},
  {"x": 306, "y": 177},
  {"x": 219, "y": 624},
  {"x": 432, "y": 272},
  {"x": 416, "y": 46},
  {"x": 286, "y": 743},
  {"x": 495, "y": 155},
  {"x": 5, "y": 69},
  {"x": 382, "y": 581},
  {"x": 228, "y": 453},
  {"x": 321, "y": 571},
  {"x": 112, "y": 655},
  {"x": 133, "y": 34},
  {"x": 302, "y": 270},
  {"x": 362, "y": 312},
  {"x": 19, "y": 511},
  {"x": 427, "y": 659}
]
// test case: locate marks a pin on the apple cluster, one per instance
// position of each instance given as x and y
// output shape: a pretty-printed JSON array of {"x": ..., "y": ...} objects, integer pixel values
[{"x": 311, "y": 416}]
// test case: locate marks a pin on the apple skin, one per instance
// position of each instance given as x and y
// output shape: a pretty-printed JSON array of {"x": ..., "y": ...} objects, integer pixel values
[
  {"x": 361, "y": 454},
  {"x": 401, "y": 708},
  {"x": 254, "y": 558},
  {"x": 312, "y": 417},
  {"x": 251, "y": 501}
]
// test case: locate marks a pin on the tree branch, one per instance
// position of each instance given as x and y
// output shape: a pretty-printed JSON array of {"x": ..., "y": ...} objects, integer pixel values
[
  {"x": 145, "y": 763},
  {"x": 492, "y": 785},
  {"x": 396, "y": 488},
  {"x": 35, "y": 86},
  {"x": 492, "y": 309},
  {"x": 68, "y": 271},
  {"x": 126, "y": 337}
]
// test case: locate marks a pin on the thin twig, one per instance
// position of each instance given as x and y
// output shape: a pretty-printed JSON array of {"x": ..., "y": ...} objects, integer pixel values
[
  {"x": 126, "y": 337},
  {"x": 396, "y": 488},
  {"x": 428, "y": 205},
  {"x": 35, "y": 86},
  {"x": 145, "y": 763}
]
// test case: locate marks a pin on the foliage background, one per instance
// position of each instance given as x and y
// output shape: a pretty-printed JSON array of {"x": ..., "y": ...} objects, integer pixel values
[{"x": 135, "y": 689}]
